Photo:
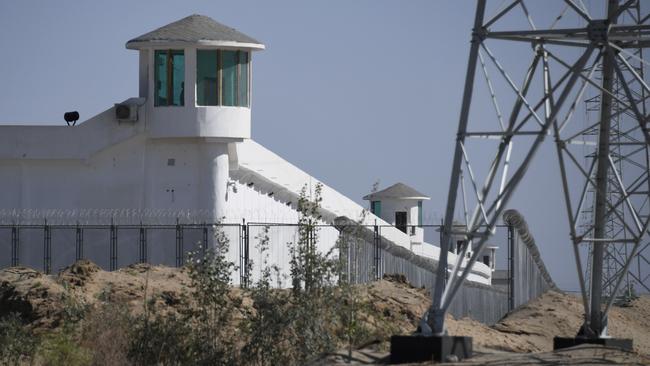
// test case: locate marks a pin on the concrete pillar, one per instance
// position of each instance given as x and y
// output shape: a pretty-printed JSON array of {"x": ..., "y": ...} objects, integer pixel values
[
  {"x": 216, "y": 168},
  {"x": 144, "y": 74}
]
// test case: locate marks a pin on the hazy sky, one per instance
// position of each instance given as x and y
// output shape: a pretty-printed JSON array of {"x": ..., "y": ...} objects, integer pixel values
[{"x": 350, "y": 91}]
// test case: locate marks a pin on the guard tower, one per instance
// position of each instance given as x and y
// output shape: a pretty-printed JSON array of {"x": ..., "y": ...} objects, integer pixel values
[
  {"x": 401, "y": 206},
  {"x": 195, "y": 75}
]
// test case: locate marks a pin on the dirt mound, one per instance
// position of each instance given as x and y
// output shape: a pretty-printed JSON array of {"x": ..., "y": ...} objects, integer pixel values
[
  {"x": 393, "y": 306},
  {"x": 530, "y": 328},
  {"x": 79, "y": 272},
  {"x": 558, "y": 314},
  {"x": 30, "y": 293},
  {"x": 40, "y": 299}
]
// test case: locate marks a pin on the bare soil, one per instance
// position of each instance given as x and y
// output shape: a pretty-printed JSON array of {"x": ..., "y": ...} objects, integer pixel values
[{"x": 393, "y": 306}]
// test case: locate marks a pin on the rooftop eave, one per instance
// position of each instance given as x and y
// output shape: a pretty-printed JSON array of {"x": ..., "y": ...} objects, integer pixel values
[
  {"x": 137, "y": 45},
  {"x": 373, "y": 197}
]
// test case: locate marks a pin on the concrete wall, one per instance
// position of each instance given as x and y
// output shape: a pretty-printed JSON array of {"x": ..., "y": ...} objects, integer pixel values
[
  {"x": 478, "y": 301},
  {"x": 136, "y": 176},
  {"x": 487, "y": 304},
  {"x": 137, "y": 173}
]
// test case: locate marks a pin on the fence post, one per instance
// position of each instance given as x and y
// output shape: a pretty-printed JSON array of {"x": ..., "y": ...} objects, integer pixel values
[
  {"x": 79, "y": 241},
  {"x": 113, "y": 247},
  {"x": 205, "y": 239},
  {"x": 179, "y": 244},
  {"x": 243, "y": 255},
  {"x": 377, "y": 251},
  {"x": 15, "y": 246},
  {"x": 47, "y": 249},
  {"x": 511, "y": 268},
  {"x": 143, "y": 244}
]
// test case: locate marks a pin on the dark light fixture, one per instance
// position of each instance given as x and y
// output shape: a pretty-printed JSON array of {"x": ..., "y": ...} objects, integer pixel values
[
  {"x": 122, "y": 111},
  {"x": 71, "y": 118}
]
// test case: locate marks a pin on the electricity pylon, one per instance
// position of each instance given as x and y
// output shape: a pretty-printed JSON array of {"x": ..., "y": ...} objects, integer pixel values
[
  {"x": 561, "y": 66},
  {"x": 636, "y": 277}
]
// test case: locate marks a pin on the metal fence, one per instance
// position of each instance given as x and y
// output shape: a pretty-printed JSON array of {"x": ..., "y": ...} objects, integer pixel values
[
  {"x": 52, "y": 247},
  {"x": 365, "y": 253},
  {"x": 528, "y": 277}
]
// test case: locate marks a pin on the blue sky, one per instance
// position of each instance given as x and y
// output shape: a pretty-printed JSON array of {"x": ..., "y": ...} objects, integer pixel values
[{"x": 352, "y": 92}]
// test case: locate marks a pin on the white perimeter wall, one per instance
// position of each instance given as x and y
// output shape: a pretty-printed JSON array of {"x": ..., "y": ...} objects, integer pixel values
[{"x": 102, "y": 164}]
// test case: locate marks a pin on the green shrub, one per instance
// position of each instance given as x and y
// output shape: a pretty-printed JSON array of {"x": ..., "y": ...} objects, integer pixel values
[
  {"x": 17, "y": 343},
  {"x": 268, "y": 327},
  {"x": 293, "y": 327},
  {"x": 60, "y": 349},
  {"x": 105, "y": 333},
  {"x": 200, "y": 334},
  {"x": 160, "y": 339},
  {"x": 350, "y": 306}
]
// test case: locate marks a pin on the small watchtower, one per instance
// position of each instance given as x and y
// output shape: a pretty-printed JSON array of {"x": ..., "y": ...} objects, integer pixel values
[
  {"x": 195, "y": 74},
  {"x": 401, "y": 206}
]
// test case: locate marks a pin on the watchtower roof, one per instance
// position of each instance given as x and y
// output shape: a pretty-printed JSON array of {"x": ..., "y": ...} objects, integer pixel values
[
  {"x": 397, "y": 191},
  {"x": 196, "y": 29}
]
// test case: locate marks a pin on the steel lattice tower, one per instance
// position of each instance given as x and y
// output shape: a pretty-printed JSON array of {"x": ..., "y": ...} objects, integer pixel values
[
  {"x": 636, "y": 277},
  {"x": 604, "y": 165}
]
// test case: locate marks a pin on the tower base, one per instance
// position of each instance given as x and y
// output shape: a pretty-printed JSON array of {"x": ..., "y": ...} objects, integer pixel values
[
  {"x": 417, "y": 348},
  {"x": 566, "y": 342}
]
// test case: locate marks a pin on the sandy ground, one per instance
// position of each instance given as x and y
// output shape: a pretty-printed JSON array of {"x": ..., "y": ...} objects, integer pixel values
[
  {"x": 581, "y": 355},
  {"x": 522, "y": 337},
  {"x": 39, "y": 298}
]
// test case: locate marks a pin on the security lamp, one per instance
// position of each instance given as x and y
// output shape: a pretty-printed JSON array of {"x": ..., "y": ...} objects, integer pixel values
[{"x": 71, "y": 117}]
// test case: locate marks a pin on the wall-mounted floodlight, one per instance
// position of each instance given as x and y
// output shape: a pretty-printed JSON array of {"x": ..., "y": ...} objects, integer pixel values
[{"x": 71, "y": 117}]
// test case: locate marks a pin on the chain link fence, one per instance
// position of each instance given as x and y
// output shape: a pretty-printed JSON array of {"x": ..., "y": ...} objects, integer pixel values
[{"x": 364, "y": 253}]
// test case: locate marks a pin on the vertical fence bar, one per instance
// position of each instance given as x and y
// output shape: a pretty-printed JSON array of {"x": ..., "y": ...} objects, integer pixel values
[
  {"x": 380, "y": 267},
  {"x": 15, "y": 246},
  {"x": 247, "y": 242},
  {"x": 241, "y": 254},
  {"x": 244, "y": 254},
  {"x": 376, "y": 253},
  {"x": 179, "y": 244},
  {"x": 350, "y": 247},
  {"x": 143, "y": 244},
  {"x": 113, "y": 247},
  {"x": 511, "y": 268},
  {"x": 204, "y": 247},
  {"x": 79, "y": 243},
  {"x": 47, "y": 249}
]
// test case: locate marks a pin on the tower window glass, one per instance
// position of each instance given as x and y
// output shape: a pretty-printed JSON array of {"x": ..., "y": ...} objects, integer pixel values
[
  {"x": 375, "y": 207},
  {"x": 222, "y": 78},
  {"x": 169, "y": 78},
  {"x": 206, "y": 77}
]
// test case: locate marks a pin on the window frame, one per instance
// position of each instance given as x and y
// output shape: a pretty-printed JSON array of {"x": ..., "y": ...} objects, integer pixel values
[
  {"x": 169, "y": 74},
  {"x": 237, "y": 83}
]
